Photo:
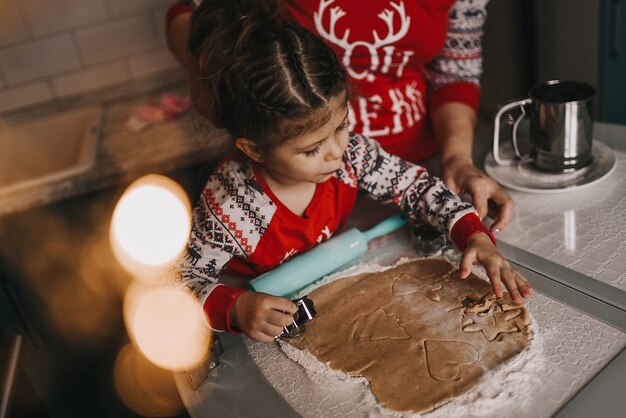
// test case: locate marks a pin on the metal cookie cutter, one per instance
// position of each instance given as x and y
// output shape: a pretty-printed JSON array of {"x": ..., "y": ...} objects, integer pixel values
[
  {"x": 427, "y": 240},
  {"x": 306, "y": 312},
  {"x": 198, "y": 375}
]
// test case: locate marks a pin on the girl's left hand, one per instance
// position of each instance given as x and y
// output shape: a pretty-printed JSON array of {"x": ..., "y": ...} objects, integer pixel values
[{"x": 480, "y": 250}]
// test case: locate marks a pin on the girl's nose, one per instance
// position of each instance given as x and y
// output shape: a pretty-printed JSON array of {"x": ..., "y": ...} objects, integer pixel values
[{"x": 335, "y": 149}]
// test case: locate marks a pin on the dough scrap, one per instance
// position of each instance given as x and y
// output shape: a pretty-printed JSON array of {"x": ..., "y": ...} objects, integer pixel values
[{"x": 416, "y": 332}]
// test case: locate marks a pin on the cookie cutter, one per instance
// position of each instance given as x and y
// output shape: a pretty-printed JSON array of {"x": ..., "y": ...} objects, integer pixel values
[
  {"x": 197, "y": 376},
  {"x": 305, "y": 312},
  {"x": 427, "y": 240}
]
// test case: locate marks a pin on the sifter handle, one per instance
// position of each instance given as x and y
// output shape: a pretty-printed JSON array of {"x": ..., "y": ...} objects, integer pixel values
[{"x": 496, "y": 130}]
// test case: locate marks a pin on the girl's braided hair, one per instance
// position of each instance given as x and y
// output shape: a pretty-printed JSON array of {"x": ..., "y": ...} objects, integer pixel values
[{"x": 258, "y": 76}]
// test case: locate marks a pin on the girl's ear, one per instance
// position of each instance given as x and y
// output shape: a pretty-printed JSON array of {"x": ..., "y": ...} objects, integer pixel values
[{"x": 250, "y": 148}]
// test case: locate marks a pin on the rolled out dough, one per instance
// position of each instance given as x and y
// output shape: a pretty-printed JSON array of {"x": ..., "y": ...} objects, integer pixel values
[{"x": 416, "y": 332}]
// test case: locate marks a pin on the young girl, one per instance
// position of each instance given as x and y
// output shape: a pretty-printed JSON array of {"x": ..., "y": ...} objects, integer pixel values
[{"x": 282, "y": 94}]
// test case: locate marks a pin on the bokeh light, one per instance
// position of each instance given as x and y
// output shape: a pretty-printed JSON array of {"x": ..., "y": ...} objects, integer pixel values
[
  {"x": 143, "y": 387},
  {"x": 168, "y": 326},
  {"x": 150, "y": 226}
]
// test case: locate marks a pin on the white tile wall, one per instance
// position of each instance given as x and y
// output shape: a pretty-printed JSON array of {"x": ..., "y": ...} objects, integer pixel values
[
  {"x": 27, "y": 95},
  {"x": 159, "y": 23},
  {"x": 52, "y": 49},
  {"x": 90, "y": 79},
  {"x": 46, "y": 16},
  {"x": 118, "y": 39},
  {"x": 152, "y": 63},
  {"x": 123, "y": 7},
  {"x": 12, "y": 28},
  {"x": 32, "y": 60}
]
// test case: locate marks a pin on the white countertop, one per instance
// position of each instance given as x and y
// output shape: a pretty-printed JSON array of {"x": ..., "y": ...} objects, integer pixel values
[
  {"x": 583, "y": 230},
  {"x": 575, "y": 346}
]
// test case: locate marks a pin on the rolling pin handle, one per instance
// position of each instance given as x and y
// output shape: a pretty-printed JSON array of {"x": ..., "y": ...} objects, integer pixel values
[{"x": 390, "y": 224}]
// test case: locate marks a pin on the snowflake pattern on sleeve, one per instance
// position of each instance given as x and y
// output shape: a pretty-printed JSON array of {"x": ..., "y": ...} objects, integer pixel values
[
  {"x": 389, "y": 179},
  {"x": 460, "y": 59},
  {"x": 231, "y": 216}
]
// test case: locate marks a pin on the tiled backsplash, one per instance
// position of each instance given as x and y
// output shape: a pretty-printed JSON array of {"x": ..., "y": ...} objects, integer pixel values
[{"x": 53, "y": 49}]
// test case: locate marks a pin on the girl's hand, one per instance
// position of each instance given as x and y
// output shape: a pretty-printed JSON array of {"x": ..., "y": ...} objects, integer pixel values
[
  {"x": 480, "y": 250},
  {"x": 261, "y": 316}
]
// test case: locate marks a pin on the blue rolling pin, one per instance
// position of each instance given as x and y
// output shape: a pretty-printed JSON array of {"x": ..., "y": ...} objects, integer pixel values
[{"x": 295, "y": 274}]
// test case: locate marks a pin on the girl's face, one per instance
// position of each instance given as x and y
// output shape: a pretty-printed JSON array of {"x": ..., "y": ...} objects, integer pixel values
[{"x": 314, "y": 156}]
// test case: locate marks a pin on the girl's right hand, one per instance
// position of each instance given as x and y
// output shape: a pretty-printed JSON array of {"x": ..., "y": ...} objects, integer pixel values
[
  {"x": 481, "y": 250},
  {"x": 261, "y": 316}
]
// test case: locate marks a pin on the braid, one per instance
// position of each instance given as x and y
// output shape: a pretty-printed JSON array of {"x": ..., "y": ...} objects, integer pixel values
[
  {"x": 259, "y": 84},
  {"x": 323, "y": 57},
  {"x": 257, "y": 76},
  {"x": 264, "y": 104},
  {"x": 297, "y": 66},
  {"x": 337, "y": 70}
]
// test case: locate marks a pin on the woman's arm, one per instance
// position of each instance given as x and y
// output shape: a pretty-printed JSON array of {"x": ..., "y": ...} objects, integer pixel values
[
  {"x": 177, "y": 32},
  {"x": 454, "y": 126},
  {"x": 454, "y": 82}
]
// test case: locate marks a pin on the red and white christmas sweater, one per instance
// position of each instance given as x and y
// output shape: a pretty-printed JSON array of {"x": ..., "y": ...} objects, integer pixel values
[
  {"x": 405, "y": 59},
  {"x": 240, "y": 227}
]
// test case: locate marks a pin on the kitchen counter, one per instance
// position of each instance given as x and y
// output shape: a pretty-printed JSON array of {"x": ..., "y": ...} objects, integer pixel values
[
  {"x": 578, "y": 308},
  {"x": 578, "y": 351},
  {"x": 583, "y": 230},
  {"x": 123, "y": 155}
]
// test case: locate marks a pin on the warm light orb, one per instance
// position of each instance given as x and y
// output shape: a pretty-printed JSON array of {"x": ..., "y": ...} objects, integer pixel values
[
  {"x": 150, "y": 225},
  {"x": 167, "y": 325},
  {"x": 144, "y": 387}
]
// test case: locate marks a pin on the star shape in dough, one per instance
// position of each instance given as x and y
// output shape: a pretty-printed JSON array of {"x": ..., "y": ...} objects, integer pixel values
[{"x": 491, "y": 323}]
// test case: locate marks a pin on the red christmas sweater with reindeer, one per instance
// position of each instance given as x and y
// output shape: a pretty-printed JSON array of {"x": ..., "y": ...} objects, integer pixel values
[
  {"x": 405, "y": 58},
  {"x": 240, "y": 227}
]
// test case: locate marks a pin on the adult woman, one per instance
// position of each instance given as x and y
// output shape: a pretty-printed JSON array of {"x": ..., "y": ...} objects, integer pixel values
[{"x": 414, "y": 68}]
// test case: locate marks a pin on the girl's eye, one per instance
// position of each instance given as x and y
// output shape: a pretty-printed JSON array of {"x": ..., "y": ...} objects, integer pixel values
[
  {"x": 344, "y": 125},
  {"x": 314, "y": 151}
]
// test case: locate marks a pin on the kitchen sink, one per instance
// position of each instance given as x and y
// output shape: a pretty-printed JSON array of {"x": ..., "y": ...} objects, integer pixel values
[{"x": 49, "y": 149}]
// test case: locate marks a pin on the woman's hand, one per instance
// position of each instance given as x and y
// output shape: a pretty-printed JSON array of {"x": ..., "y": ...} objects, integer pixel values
[
  {"x": 461, "y": 176},
  {"x": 479, "y": 249},
  {"x": 261, "y": 316}
]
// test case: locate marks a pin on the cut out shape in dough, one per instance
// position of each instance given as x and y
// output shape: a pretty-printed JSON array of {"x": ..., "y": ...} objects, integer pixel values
[
  {"x": 360, "y": 318},
  {"x": 405, "y": 284},
  {"x": 433, "y": 293},
  {"x": 379, "y": 326},
  {"x": 445, "y": 359},
  {"x": 489, "y": 318}
]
